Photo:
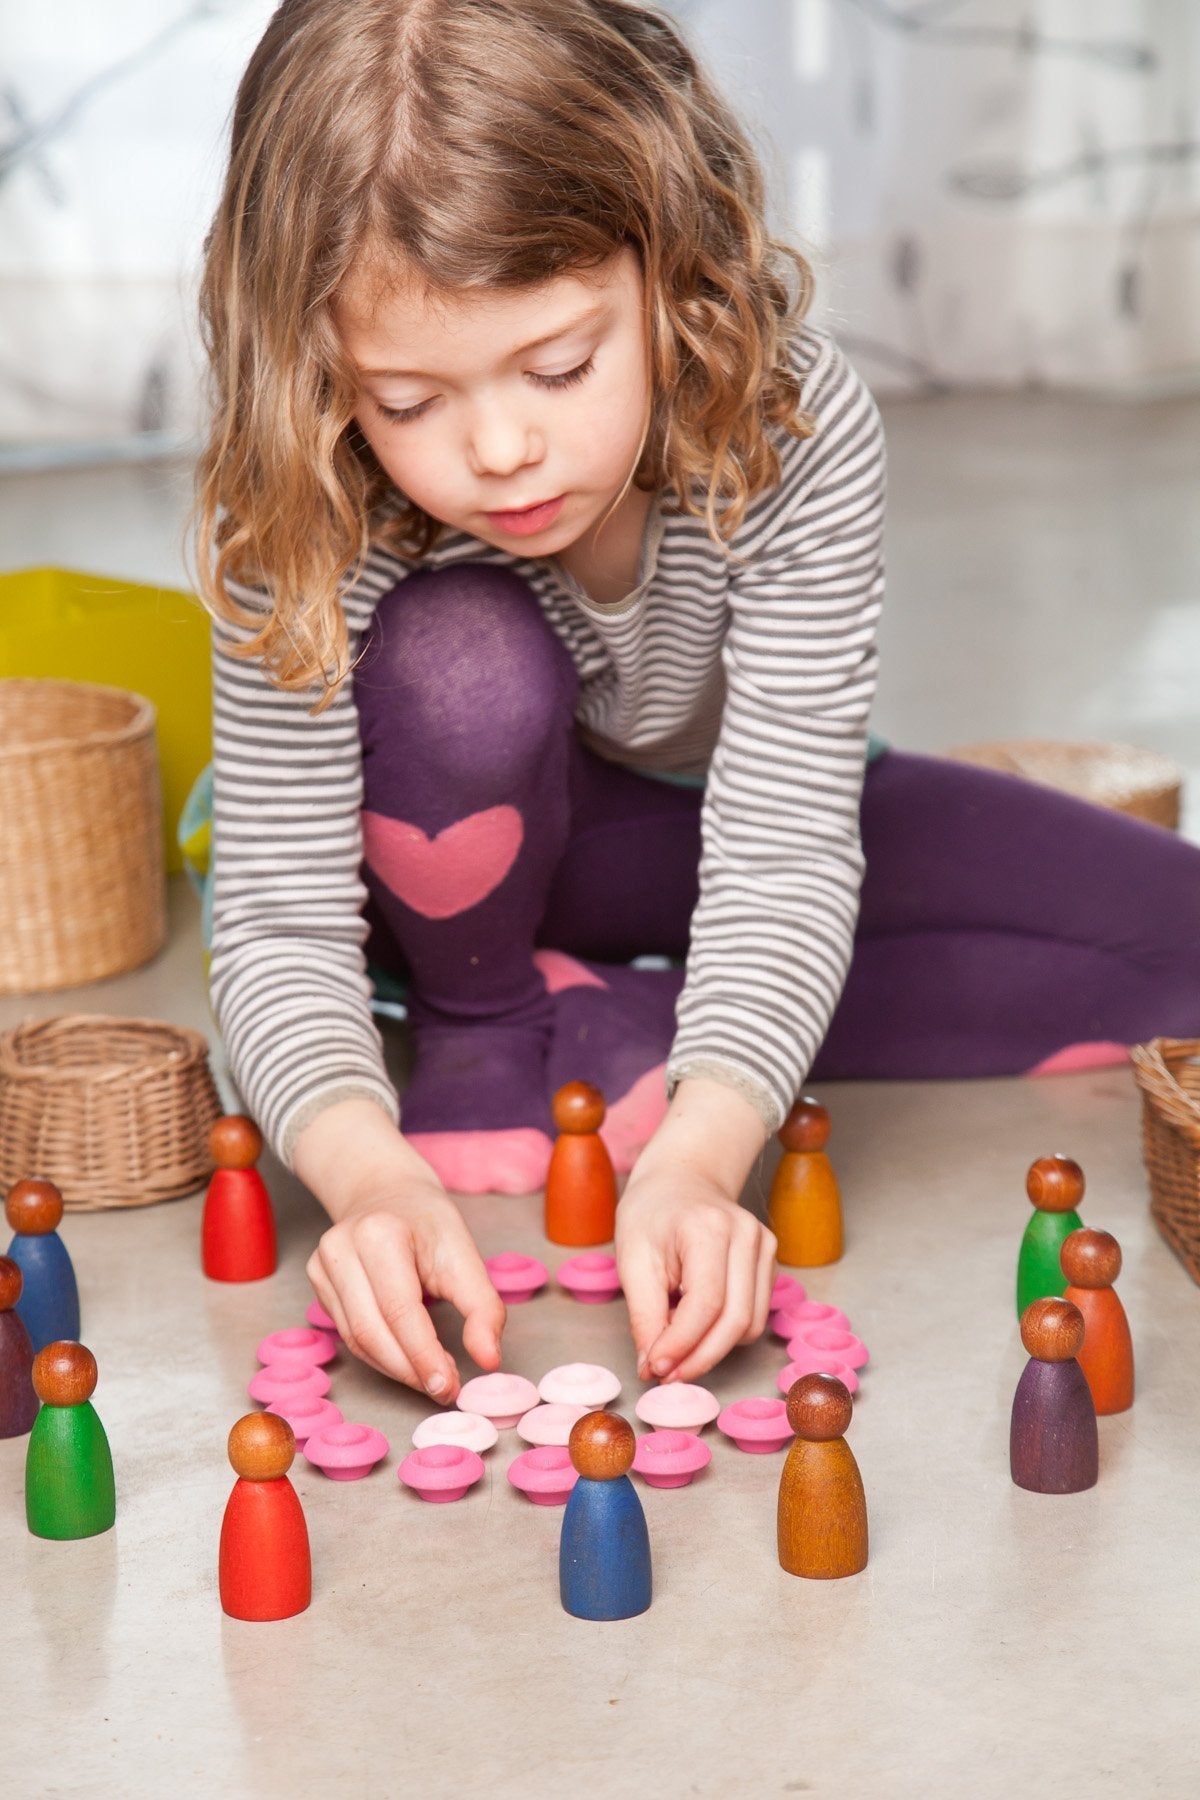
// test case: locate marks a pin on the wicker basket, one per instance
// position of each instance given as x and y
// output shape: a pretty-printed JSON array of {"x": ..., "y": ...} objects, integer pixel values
[
  {"x": 82, "y": 891},
  {"x": 1168, "y": 1072},
  {"x": 116, "y": 1112},
  {"x": 1120, "y": 776}
]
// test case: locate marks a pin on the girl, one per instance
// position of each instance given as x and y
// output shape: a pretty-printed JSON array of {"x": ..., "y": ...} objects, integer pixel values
[{"x": 543, "y": 543}]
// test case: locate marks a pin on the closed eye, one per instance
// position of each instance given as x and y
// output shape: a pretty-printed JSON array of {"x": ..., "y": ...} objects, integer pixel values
[
  {"x": 568, "y": 378},
  {"x": 403, "y": 415}
]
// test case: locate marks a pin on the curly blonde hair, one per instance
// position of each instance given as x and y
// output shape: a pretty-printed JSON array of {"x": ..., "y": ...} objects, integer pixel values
[{"x": 489, "y": 144}]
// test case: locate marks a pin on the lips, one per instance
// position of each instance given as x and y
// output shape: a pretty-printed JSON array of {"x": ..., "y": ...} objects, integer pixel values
[{"x": 527, "y": 520}]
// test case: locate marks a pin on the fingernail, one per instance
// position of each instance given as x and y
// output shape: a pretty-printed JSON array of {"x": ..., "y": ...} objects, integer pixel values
[
  {"x": 661, "y": 1366},
  {"x": 436, "y": 1384}
]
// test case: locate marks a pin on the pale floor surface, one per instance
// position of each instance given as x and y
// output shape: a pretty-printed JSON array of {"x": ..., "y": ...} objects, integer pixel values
[{"x": 997, "y": 1639}]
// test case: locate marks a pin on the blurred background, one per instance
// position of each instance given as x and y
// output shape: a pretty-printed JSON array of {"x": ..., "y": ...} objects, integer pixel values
[{"x": 1002, "y": 199}]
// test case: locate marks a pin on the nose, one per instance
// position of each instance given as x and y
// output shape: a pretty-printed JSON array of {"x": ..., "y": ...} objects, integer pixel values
[{"x": 501, "y": 440}]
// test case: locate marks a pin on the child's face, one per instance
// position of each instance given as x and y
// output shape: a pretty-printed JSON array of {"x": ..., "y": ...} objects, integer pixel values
[{"x": 523, "y": 443}]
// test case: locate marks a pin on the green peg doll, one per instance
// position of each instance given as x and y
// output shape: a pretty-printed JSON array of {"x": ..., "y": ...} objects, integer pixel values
[
  {"x": 1055, "y": 1186},
  {"x": 69, "y": 1486}
]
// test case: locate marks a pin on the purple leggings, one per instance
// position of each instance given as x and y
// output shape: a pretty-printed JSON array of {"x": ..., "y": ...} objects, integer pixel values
[{"x": 1000, "y": 921}]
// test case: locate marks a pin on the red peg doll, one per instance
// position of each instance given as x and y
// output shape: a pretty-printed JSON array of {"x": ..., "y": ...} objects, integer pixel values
[
  {"x": 1091, "y": 1262},
  {"x": 265, "y": 1563},
  {"x": 581, "y": 1188},
  {"x": 237, "y": 1236}
]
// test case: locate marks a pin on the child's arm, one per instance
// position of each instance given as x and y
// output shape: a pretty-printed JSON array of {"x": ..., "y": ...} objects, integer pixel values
[
  {"x": 395, "y": 1232},
  {"x": 680, "y": 1225}
]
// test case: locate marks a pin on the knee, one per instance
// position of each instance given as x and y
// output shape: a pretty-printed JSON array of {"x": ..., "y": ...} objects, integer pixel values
[{"x": 462, "y": 651}]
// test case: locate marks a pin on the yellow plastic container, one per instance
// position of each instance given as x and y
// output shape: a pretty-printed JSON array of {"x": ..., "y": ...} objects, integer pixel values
[{"x": 154, "y": 641}]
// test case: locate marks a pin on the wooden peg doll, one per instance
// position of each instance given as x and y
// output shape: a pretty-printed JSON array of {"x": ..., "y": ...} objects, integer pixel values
[
  {"x": 1091, "y": 1262},
  {"x": 805, "y": 1206},
  {"x": 581, "y": 1188},
  {"x": 822, "y": 1515},
  {"x": 1055, "y": 1186},
  {"x": 265, "y": 1566},
  {"x": 237, "y": 1233},
  {"x": 604, "y": 1549},
  {"x": 49, "y": 1302},
  {"x": 69, "y": 1487},
  {"x": 18, "y": 1401},
  {"x": 1053, "y": 1444}
]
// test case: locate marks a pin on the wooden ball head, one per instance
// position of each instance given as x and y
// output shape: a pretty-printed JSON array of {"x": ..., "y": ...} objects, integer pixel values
[
  {"x": 11, "y": 1283},
  {"x": 602, "y": 1446},
  {"x": 819, "y": 1408},
  {"x": 34, "y": 1207},
  {"x": 1091, "y": 1259},
  {"x": 235, "y": 1142},
  {"x": 1052, "y": 1329},
  {"x": 578, "y": 1107},
  {"x": 806, "y": 1127},
  {"x": 1055, "y": 1184},
  {"x": 262, "y": 1447},
  {"x": 64, "y": 1374}
]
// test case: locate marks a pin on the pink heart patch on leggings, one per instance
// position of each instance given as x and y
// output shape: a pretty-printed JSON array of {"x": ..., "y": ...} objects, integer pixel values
[{"x": 442, "y": 876}]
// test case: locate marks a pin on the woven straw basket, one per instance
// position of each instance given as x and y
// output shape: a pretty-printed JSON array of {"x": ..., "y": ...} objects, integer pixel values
[
  {"x": 1139, "y": 782},
  {"x": 116, "y": 1112},
  {"x": 82, "y": 891},
  {"x": 1168, "y": 1072}
]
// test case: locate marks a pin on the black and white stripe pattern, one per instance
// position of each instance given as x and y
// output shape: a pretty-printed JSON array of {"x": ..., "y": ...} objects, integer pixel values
[{"x": 757, "y": 666}]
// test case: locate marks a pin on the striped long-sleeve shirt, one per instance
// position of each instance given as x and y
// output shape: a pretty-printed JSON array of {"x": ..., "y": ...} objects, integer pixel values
[{"x": 753, "y": 666}]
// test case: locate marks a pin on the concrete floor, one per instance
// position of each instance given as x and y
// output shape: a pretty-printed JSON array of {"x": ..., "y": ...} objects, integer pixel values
[{"x": 1044, "y": 557}]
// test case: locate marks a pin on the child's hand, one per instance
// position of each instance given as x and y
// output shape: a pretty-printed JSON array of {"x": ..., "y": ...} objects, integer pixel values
[
  {"x": 679, "y": 1225},
  {"x": 683, "y": 1232},
  {"x": 396, "y": 1234}
]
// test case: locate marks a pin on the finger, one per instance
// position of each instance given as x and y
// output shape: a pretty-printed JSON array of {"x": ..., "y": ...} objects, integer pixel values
[
  {"x": 702, "y": 1279},
  {"x": 467, "y": 1286},
  {"x": 646, "y": 1289},
  {"x": 343, "y": 1289},
  {"x": 397, "y": 1290},
  {"x": 741, "y": 1276},
  {"x": 764, "y": 1282}
]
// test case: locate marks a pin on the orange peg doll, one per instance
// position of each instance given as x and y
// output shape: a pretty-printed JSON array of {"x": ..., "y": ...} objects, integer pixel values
[
  {"x": 1091, "y": 1262},
  {"x": 805, "y": 1207},
  {"x": 237, "y": 1235},
  {"x": 581, "y": 1188},
  {"x": 265, "y": 1563},
  {"x": 822, "y": 1507}
]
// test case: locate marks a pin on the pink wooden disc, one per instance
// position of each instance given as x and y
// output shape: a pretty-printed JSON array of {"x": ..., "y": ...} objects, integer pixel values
[
  {"x": 786, "y": 1321},
  {"x": 441, "y": 1472},
  {"x": 516, "y": 1278},
  {"x": 829, "y": 1340},
  {"x": 758, "y": 1426},
  {"x": 579, "y": 1384},
  {"x": 669, "y": 1459},
  {"x": 346, "y": 1452},
  {"x": 546, "y": 1474},
  {"x": 306, "y": 1413},
  {"x": 471, "y": 1430},
  {"x": 502, "y": 1398},
  {"x": 591, "y": 1278},
  {"x": 549, "y": 1424},
  {"x": 299, "y": 1343},
  {"x": 787, "y": 1290},
  {"x": 286, "y": 1380},
  {"x": 678, "y": 1406},
  {"x": 815, "y": 1364}
]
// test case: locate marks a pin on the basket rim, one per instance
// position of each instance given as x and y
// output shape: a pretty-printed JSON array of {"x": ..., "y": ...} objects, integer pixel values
[
  {"x": 186, "y": 1046},
  {"x": 1140, "y": 752},
  {"x": 143, "y": 718}
]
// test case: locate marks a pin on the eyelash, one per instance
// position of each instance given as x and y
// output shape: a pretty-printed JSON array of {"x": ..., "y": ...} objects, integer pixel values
[{"x": 402, "y": 415}]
